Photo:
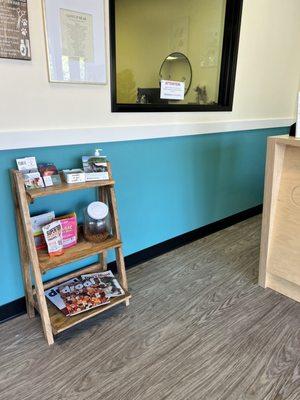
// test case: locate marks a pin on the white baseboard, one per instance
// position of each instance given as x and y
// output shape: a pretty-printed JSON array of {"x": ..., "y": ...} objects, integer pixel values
[{"x": 64, "y": 137}]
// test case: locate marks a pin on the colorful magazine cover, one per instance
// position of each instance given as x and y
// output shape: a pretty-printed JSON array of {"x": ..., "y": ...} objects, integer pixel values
[
  {"x": 82, "y": 296},
  {"x": 107, "y": 282},
  {"x": 54, "y": 296}
]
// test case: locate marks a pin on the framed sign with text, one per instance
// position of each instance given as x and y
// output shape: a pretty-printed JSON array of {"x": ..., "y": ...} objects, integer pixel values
[
  {"x": 14, "y": 30},
  {"x": 75, "y": 38}
]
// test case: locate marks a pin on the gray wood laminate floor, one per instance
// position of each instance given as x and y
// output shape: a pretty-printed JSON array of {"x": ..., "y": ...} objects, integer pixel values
[{"x": 198, "y": 327}]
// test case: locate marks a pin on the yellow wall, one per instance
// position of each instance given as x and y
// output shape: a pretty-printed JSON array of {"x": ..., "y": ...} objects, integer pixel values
[
  {"x": 146, "y": 34},
  {"x": 266, "y": 84}
]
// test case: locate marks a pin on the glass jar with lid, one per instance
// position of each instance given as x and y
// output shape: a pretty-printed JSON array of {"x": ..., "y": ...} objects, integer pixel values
[{"x": 97, "y": 225}]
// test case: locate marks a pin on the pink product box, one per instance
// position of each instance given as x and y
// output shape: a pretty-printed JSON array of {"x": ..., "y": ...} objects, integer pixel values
[{"x": 69, "y": 231}]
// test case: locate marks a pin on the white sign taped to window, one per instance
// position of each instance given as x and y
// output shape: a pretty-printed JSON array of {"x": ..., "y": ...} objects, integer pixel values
[{"x": 172, "y": 90}]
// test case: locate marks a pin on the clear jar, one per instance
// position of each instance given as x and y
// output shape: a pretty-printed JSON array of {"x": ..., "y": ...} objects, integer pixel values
[{"x": 97, "y": 226}]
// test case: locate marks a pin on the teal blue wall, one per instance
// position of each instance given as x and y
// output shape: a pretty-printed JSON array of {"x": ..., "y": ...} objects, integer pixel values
[{"x": 165, "y": 187}]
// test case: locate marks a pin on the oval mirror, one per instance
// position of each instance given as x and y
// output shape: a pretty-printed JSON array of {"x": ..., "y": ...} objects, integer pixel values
[{"x": 177, "y": 67}]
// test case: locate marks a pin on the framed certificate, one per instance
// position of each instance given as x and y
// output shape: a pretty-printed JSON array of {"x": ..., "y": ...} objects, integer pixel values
[{"x": 75, "y": 40}]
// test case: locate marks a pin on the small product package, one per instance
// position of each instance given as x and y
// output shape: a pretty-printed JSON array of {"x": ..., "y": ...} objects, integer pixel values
[
  {"x": 49, "y": 174},
  {"x": 37, "y": 224},
  {"x": 95, "y": 167},
  {"x": 28, "y": 167},
  {"x": 69, "y": 230},
  {"x": 53, "y": 237},
  {"x": 74, "y": 175}
]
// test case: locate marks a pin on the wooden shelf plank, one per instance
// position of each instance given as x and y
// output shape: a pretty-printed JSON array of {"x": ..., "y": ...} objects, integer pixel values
[
  {"x": 60, "y": 322},
  {"x": 32, "y": 194},
  {"x": 65, "y": 188},
  {"x": 82, "y": 250}
]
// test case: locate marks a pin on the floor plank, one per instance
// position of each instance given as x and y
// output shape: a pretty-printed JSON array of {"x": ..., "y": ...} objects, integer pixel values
[{"x": 198, "y": 327}]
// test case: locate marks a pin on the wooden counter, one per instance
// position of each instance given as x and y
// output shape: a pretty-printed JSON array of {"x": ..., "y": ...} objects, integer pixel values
[{"x": 280, "y": 242}]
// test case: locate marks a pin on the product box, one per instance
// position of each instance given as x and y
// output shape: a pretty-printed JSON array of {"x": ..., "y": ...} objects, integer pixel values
[
  {"x": 33, "y": 180},
  {"x": 37, "y": 223},
  {"x": 32, "y": 177},
  {"x": 69, "y": 230},
  {"x": 74, "y": 175},
  {"x": 95, "y": 168},
  {"x": 49, "y": 174}
]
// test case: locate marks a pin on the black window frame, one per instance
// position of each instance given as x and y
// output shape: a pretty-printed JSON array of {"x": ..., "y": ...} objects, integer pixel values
[{"x": 233, "y": 17}]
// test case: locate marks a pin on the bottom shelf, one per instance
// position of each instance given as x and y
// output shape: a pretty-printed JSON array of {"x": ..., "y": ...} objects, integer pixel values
[{"x": 60, "y": 322}]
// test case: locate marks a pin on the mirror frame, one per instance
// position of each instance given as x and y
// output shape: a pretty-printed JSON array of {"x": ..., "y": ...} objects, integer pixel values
[
  {"x": 233, "y": 17},
  {"x": 189, "y": 64}
]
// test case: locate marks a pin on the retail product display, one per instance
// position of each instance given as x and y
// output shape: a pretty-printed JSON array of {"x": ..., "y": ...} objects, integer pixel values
[
  {"x": 97, "y": 293},
  {"x": 37, "y": 223},
  {"x": 96, "y": 222},
  {"x": 95, "y": 167},
  {"x": 49, "y": 174},
  {"x": 69, "y": 230},
  {"x": 74, "y": 175},
  {"x": 28, "y": 167},
  {"x": 53, "y": 237}
]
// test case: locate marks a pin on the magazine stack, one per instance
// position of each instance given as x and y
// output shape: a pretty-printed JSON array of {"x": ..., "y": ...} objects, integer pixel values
[{"x": 84, "y": 293}]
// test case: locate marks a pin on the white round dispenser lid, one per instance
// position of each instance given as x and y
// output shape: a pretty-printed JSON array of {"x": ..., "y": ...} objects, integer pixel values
[{"x": 97, "y": 210}]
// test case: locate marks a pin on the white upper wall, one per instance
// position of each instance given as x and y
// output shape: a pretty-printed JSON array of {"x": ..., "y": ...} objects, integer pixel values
[{"x": 267, "y": 81}]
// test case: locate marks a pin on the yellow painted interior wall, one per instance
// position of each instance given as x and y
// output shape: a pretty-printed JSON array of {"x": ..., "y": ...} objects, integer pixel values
[{"x": 148, "y": 31}]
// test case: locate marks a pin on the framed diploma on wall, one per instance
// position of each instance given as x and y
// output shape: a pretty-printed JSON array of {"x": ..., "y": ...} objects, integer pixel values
[{"x": 75, "y": 40}]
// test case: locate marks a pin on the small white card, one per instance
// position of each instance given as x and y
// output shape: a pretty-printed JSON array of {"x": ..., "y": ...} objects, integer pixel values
[
  {"x": 26, "y": 164},
  {"x": 48, "y": 181},
  {"x": 172, "y": 90}
]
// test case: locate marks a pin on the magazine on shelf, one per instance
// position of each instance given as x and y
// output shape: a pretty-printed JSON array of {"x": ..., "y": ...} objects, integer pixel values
[
  {"x": 107, "y": 282},
  {"x": 84, "y": 292},
  {"x": 54, "y": 296},
  {"x": 83, "y": 295}
]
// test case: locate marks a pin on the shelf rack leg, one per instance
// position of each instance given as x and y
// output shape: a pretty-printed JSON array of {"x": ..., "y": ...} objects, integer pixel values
[
  {"x": 102, "y": 195},
  {"x": 112, "y": 202},
  {"x": 23, "y": 255},
  {"x": 116, "y": 229},
  {"x": 121, "y": 270},
  {"x": 102, "y": 260},
  {"x": 41, "y": 300}
]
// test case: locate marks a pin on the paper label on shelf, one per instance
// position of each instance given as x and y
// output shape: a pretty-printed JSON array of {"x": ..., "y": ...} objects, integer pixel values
[
  {"x": 48, "y": 181},
  {"x": 172, "y": 90}
]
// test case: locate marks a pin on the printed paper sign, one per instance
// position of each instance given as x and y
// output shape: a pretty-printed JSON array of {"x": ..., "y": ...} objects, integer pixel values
[
  {"x": 77, "y": 35},
  {"x": 172, "y": 90}
]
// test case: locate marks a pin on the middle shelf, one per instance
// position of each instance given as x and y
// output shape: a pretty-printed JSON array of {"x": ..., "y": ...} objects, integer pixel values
[{"x": 83, "y": 249}]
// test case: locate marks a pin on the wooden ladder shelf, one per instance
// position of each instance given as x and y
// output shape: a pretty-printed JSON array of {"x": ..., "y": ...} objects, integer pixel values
[{"x": 35, "y": 262}]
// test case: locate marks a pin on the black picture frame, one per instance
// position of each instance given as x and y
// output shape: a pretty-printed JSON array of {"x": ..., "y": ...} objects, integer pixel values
[{"x": 233, "y": 17}]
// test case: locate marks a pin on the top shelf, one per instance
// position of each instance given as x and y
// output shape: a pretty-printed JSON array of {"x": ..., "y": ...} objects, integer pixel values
[{"x": 64, "y": 188}]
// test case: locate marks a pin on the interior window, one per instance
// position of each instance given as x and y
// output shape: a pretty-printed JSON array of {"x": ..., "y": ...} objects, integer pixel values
[{"x": 173, "y": 54}]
